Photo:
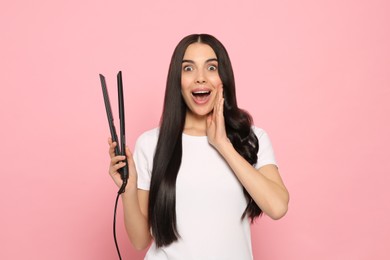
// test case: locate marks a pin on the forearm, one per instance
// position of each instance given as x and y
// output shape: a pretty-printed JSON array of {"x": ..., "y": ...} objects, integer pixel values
[
  {"x": 136, "y": 222},
  {"x": 272, "y": 197}
]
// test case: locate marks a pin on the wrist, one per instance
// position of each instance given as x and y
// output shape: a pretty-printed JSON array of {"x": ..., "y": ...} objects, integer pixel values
[
  {"x": 225, "y": 147},
  {"x": 130, "y": 191}
]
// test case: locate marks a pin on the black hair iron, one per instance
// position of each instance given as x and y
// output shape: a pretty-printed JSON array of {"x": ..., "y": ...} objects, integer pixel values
[{"x": 120, "y": 148}]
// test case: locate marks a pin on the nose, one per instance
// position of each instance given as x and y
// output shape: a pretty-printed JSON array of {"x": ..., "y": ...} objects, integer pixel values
[{"x": 200, "y": 78}]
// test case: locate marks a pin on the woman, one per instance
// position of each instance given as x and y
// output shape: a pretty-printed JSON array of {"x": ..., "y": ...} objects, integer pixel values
[{"x": 199, "y": 180}]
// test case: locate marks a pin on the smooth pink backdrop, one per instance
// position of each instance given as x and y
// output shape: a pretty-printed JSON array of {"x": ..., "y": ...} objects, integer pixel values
[{"x": 314, "y": 74}]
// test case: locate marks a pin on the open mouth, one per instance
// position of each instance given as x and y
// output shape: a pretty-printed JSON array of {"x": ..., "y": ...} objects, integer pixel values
[
  {"x": 201, "y": 96},
  {"x": 202, "y": 93}
]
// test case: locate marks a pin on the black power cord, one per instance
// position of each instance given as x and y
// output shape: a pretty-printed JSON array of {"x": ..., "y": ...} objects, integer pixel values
[
  {"x": 114, "y": 226},
  {"x": 121, "y": 190}
]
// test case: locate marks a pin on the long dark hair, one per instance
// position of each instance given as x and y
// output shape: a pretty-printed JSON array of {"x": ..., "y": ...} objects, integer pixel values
[{"x": 167, "y": 158}]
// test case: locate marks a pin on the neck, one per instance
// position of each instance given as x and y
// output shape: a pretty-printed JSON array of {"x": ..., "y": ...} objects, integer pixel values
[{"x": 195, "y": 124}]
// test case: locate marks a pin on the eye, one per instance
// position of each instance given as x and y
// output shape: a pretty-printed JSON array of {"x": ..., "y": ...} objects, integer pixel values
[
  {"x": 188, "y": 68},
  {"x": 212, "y": 67}
]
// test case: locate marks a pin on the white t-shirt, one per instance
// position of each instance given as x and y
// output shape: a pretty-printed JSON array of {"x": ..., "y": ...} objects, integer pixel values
[{"x": 209, "y": 200}]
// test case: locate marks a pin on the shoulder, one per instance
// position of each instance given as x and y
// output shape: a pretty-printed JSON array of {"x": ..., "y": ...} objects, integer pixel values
[
  {"x": 262, "y": 137},
  {"x": 265, "y": 153},
  {"x": 148, "y": 138},
  {"x": 259, "y": 132},
  {"x": 149, "y": 134}
]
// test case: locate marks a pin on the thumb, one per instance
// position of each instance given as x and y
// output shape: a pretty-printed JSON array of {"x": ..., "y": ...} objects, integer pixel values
[{"x": 128, "y": 153}]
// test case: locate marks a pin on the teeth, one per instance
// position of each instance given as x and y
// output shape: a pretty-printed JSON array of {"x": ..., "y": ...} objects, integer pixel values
[{"x": 201, "y": 92}]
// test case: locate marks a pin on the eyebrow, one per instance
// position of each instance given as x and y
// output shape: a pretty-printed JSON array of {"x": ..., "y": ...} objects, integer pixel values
[{"x": 191, "y": 61}]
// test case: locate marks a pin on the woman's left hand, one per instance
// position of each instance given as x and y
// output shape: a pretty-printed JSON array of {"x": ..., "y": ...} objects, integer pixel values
[{"x": 216, "y": 132}]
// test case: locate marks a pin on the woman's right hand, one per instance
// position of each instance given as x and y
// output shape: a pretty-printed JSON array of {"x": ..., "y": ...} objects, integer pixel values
[{"x": 119, "y": 161}]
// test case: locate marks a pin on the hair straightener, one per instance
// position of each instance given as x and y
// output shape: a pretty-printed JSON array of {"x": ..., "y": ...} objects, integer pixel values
[{"x": 120, "y": 148}]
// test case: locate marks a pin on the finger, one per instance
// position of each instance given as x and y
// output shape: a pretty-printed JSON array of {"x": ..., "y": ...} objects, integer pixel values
[
  {"x": 109, "y": 141},
  {"x": 130, "y": 159},
  {"x": 218, "y": 104},
  {"x": 114, "y": 169},
  {"x": 117, "y": 159},
  {"x": 128, "y": 152},
  {"x": 218, "y": 119},
  {"x": 111, "y": 150},
  {"x": 215, "y": 106},
  {"x": 220, "y": 109}
]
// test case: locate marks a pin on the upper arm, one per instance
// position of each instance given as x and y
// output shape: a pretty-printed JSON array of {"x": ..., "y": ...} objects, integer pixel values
[{"x": 143, "y": 199}]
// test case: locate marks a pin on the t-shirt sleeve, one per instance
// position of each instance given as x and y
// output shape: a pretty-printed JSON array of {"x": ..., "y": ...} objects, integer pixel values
[
  {"x": 265, "y": 155},
  {"x": 143, "y": 159}
]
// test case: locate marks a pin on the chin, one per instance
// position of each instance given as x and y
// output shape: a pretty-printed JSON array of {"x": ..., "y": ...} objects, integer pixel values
[{"x": 200, "y": 112}]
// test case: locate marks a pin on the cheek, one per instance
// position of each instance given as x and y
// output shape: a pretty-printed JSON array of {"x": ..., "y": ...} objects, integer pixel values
[
  {"x": 185, "y": 82},
  {"x": 216, "y": 80}
]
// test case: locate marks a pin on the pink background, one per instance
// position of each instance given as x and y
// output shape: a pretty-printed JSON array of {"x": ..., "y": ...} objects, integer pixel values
[{"x": 314, "y": 74}]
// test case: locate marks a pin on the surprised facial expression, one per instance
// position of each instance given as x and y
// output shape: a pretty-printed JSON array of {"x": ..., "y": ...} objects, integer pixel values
[{"x": 199, "y": 78}]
